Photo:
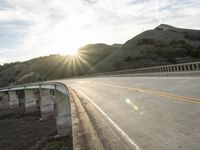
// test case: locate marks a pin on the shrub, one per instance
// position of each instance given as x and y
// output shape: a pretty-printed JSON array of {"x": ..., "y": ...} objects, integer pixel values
[
  {"x": 129, "y": 59},
  {"x": 146, "y": 41}
]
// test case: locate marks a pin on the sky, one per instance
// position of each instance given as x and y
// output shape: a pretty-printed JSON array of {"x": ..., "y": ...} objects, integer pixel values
[{"x": 32, "y": 28}]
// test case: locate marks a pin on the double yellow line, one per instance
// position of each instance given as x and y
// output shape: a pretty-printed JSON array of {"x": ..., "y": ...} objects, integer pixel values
[{"x": 153, "y": 92}]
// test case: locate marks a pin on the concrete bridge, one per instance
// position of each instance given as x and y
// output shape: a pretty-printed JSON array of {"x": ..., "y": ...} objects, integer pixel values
[{"x": 130, "y": 109}]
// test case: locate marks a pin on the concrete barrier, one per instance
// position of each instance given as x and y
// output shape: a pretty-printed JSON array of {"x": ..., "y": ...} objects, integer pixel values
[{"x": 52, "y": 99}]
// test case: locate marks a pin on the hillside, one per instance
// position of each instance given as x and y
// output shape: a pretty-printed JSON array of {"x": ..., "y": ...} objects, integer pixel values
[
  {"x": 54, "y": 66},
  {"x": 163, "y": 45}
]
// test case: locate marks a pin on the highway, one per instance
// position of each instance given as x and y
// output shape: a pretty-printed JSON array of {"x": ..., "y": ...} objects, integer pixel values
[{"x": 156, "y": 113}]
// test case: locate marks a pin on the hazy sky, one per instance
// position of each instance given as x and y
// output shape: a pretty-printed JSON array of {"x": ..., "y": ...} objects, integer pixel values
[{"x": 31, "y": 28}]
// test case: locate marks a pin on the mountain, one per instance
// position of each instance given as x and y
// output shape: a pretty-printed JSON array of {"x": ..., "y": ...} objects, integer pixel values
[
  {"x": 54, "y": 66},
  {"x": 163, "y": 45}
]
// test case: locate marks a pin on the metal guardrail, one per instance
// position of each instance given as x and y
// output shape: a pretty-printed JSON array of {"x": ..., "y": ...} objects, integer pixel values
[{"x": 184, "y": 67}]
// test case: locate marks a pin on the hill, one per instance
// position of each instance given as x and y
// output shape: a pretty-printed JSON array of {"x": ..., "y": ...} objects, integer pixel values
[
  {"x": 54, "y": 66},
  {"x": 163, "y": 45}
]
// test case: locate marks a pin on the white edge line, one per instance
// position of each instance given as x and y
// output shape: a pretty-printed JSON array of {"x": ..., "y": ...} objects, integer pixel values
[{"x": 112, "y": 122}]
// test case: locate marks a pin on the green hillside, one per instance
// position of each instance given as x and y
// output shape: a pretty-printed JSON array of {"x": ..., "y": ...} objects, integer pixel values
[{"x": 163, "y": 45}]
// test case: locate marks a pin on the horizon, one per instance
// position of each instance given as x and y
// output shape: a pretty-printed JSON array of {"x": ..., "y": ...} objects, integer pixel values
[{"x": 40, "y": 28}]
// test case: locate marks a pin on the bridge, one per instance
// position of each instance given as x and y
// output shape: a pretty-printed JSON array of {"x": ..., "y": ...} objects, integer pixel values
[{"x": 146, "y": 108}]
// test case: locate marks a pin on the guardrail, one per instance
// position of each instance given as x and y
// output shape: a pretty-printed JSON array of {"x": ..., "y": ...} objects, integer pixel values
[
  {"x": 193, "y": 67},
  {"x": 48, "y": 98}
]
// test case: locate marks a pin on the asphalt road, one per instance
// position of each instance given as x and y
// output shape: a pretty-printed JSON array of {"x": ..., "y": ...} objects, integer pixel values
[{"x": 156, "y": 113}]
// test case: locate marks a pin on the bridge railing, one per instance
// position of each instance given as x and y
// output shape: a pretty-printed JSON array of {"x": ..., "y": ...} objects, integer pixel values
[
  {"x": 175, "y": 68},
  {"x": 50, "y": 99}
]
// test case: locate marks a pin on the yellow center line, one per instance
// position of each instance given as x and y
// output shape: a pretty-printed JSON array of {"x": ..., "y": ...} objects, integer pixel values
[{"x": 153, "y": 92}]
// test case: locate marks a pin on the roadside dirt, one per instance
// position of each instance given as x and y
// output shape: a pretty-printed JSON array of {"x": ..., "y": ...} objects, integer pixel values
[{"x": 20, "y": 131}]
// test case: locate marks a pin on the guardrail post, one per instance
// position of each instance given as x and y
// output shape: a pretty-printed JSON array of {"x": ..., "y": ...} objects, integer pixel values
[
  {"x": 193, "y": 67},
  {"x": 184, "y": 66},
  {"x": 30, "y": 100},
  {"x": 46, "y": 103},
  {"x": 164, "y": 69},
  {"x": 187, "y": 67},
  {"x": 63, "y": 114},
  {"x": 13, "y": 99},
  {"x": 197, "y": 66},
  {"x": 178, "y": 68},
  {"x": 169, "y": 69},
  {"x": 174, "y": 68}
]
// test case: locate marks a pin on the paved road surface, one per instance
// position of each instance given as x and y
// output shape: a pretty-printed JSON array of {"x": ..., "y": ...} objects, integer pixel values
[{"x": 157, "y": 113}]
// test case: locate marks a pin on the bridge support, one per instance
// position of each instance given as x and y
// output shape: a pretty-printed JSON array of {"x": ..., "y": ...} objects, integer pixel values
[
  {"x": 30, "y": 100},
  {"x": 46, "y": 103},
  {"x": 13, "y": 99},
  {"x": 63, "y": 114}
]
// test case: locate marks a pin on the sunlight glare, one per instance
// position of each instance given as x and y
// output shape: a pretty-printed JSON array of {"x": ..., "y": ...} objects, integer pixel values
[
  {"x": 73, "y": 52},
  {"x": 128, "y": 101}
]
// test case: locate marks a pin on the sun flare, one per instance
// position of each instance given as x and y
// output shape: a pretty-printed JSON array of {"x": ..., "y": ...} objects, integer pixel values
[{"x": 73, "y": 53}]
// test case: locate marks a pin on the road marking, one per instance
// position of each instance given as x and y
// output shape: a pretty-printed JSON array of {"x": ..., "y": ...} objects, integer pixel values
[
  {"x": 110, "y": 120},
  {"x": 153, "y": 92}
]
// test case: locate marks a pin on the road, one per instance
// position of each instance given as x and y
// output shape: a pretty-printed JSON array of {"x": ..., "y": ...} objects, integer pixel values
[{"x": 157, "y": 113}]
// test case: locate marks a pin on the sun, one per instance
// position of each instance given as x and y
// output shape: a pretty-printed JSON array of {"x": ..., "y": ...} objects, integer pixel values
[{"x": 73, "y": 53}]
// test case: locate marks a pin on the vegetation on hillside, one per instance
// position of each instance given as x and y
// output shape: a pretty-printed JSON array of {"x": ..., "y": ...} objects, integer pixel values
[
  {"x": 54, "y": 66},
  {"x": 175, "y": 49},
  {"x": 161, "y": 46}
]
